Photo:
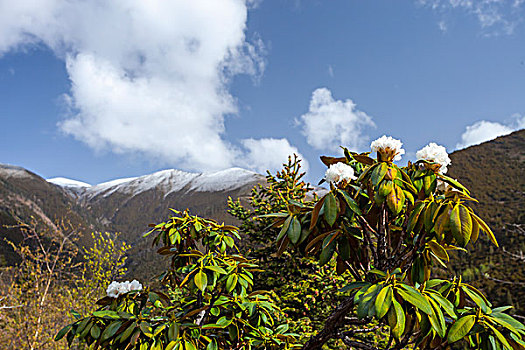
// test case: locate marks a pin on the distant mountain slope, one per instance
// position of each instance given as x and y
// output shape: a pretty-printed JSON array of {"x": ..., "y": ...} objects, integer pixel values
[
  {"x": 495, "y": 173},
  {"x": 25, "y": 195},
  {"x": 122, "y": 205}
]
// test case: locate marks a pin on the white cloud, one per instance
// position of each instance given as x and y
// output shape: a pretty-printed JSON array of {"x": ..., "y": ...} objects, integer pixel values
[
  {"x": 494, "y": 16},
  {"x": 332, "y": 123},
  {"x": 269, "y": 154},
  {"x": 147, "y": 76},
  {"x": 484, "y": 130}
]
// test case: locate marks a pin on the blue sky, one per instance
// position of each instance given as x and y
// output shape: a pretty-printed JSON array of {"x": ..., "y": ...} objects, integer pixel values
[{"x": 99, "y": 90}]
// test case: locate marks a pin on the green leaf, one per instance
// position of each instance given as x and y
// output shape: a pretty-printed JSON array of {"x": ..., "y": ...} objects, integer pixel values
[
  {"x": 217, "y": 269},
  {"x": 231, "y": 282},
  {"x": 328, "y": 249},
  {"x": 62, "y": 332},
  {"x": 486, "y": 229},
  {"x": 461, "y": 224},
  {"x": 284, "y": 229},
  {"x": 378, "y": 173},
  {"x": 517, "y": 339},
  {"x": 429, "y": 184},
  {"x": 454, "y": 183},
  {"x": 385, "y": 188},
  {"x": 273, "y": 215},
  {"x": 438, "y": 250},
  {"x": 201, "y": 280},
  {"x": 127, "y": 333},
  {"x": 383, "y": 301},
  {"x": 503, "y": 323},
  {"x": 330, "y": 209},
  {"x": 315, "y": 212},
  {"x": 437, "y": 320},
  {"x": 106, "y": 314},
  {"x": 500, "y": 336},
  {"x": 429, "y": 215},
  {"x": 414, "y": 215},
  {"x": 445, "y": 304},
  {"x": 189, "y": 345},
  {"x": 344, "y": 248},
  {"x": 171, "y": 345},
  {"x": 294, "y": 231},
  {"x": 353, "y": 285},
  {"x": 508, "y": 319},
  {"x": 95, "y": 331},
  {"x": 476, "y": 298},
  {"x": 395, "y": 200},
  {"x": 146, "y": 329},
  {"x": 399, "y": 313},
  {"x": 460, "y": 328},
  {"x": 110, "y": 330},
  {"x": 173, "y": 331},
  {"x": 212, "y": 345},
  {"x": 82, "y": 325},
  {"x": 350, "y": 202},
  {"x": 366, "y": 305},
  {"x": 415, "y": 298}
]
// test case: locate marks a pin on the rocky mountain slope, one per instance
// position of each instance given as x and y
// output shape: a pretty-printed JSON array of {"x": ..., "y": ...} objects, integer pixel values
[{"x": 26, "y": 197}]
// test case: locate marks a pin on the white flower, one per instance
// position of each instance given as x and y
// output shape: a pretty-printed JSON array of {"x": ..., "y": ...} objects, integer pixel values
[
  {"x": 388, "y": 147},
  {"x": 435, "y": 154},
  {"x": 123, "y": 288},
  {"x": 112, "y": 290},
  {"x": 135, "y": 285},
  {"x": 118, "y": 288},
  {"x": 338, "y": 172}
]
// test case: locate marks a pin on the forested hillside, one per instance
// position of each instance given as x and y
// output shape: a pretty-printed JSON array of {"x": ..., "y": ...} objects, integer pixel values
[{"x": 495, "y": 173}]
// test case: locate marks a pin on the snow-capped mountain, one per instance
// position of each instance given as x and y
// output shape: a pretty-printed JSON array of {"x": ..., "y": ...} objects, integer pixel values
[
  {"x": 164, "y": 181},
  {"x": 64, "y": 182},
  {"x": 128, "y": 205},
  {"x": 125, "y": 205}
]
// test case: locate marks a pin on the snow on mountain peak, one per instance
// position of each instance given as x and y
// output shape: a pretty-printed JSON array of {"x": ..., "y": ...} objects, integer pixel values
[
  {"x": 166, "y": 181},
  {"x": 65, "y": 182},
  {"x": 227, "y": 179}
]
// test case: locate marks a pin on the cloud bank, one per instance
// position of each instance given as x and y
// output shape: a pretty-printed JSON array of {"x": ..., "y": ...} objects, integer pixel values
[
  {"x": 331, "y": 123},
  {"x": 269, "y": 154},
  {"x": 146, "y": 76},
  {"x": 484, "y": 130},
  {"x": 494, "y": 16}
]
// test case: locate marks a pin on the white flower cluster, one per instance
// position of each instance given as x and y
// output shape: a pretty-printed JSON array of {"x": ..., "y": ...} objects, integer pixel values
[
  {"x": 338, "y": 172},
  {"x": 388, "y": 147},
  {"x": 435, "y": 154},
  {"x": 118, "y": 288}
]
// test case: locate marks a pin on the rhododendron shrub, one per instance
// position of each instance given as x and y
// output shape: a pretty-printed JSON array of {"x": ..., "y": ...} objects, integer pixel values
[
  {"x": 387, "y": 228},
  {"x": 206, "y": 302}
]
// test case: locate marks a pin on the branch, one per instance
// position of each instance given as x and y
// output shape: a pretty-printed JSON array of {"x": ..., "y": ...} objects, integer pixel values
[
  {"x": 503, "y": 281},
  {"x": 331, "y": 326},
  {"x": 519, "y": 256},
  {"x": 10, "y": 307},
  {"x": 366, "y": 229}
]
